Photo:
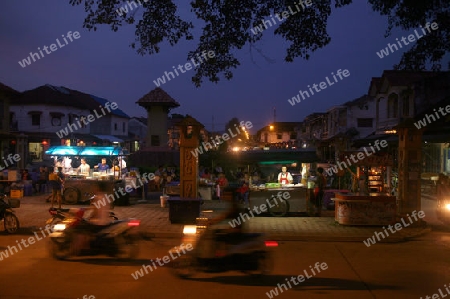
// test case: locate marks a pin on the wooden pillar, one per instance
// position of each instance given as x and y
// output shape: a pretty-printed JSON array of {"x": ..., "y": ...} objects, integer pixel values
[
  {"x": 409, "y": 169},
  {"x": 189, "y": 142}
]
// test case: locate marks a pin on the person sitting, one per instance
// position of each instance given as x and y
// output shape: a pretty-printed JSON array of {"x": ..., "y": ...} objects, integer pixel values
[
  {"x": 84, "y": 168},
  {"x": 102, "y": 166},
  {"x": 206, "y": 175}
]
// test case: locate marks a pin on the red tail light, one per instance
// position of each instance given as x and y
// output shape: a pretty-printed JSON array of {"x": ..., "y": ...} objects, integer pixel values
[
  {"x": 134, "y": 222},
  {"x": 271, "y": 243}
]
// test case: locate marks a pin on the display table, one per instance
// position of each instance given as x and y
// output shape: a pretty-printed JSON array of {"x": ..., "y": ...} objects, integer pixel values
[
  {"x": 328, "y": 195},
  {"x": 206, "y": 192},
  {"x": 372, "y": 209},
  {"x": 297, "y": 197}
]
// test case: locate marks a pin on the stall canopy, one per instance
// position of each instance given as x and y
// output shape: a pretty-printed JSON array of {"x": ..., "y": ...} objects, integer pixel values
[
  {"x": 275, "y": 156},
  {"x": 86, "y": 151}
]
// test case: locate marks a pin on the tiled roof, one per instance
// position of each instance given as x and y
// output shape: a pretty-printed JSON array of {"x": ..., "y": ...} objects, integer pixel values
[
  {"x": 6, "y": 90},
  {"x": 61, "y": 96},
  {"x": 116, "y": 111},
  {"x": 361, "y": 100},
  {"x": 157, "y": 96},
  {"x": 56, "y": 96}
]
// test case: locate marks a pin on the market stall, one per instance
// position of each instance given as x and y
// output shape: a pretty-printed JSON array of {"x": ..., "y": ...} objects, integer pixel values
[
  {"x": 371, "y": 202},
  {"x": 82, "y": 182}
]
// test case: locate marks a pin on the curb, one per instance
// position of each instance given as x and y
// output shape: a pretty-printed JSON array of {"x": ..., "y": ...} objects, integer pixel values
[{"x": 149, "y": 234}]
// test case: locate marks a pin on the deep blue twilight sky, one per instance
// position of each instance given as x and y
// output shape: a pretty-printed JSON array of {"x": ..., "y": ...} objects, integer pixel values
[{"x": 103, "y": 64}]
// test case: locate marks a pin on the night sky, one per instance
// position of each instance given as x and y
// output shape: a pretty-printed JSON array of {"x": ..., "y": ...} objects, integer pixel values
[{"x": 103, "y": 64}]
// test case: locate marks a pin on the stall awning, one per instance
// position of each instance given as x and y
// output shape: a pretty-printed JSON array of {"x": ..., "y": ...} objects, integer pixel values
[
  {"x": 85, "y": 151},
  {"x": 109, "y": 138},
  {"x": 275, "y": 156}
]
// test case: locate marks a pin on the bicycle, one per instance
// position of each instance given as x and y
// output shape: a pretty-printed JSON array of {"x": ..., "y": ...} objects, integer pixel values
[{"x": 278, "y": 207}]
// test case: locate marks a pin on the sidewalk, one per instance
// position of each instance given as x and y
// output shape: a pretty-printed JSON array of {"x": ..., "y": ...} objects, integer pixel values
[{"x": 33, "y": 213}]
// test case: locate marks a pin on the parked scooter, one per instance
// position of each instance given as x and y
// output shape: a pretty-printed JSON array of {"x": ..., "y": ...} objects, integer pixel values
[
  {"x": 217, "y": 251},
  {"x": 7, "y": 214},
  {"x": 76, "y": 236}
]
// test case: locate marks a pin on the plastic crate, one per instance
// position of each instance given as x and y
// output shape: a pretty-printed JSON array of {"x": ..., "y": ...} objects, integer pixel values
[{"x": 16, "y": 193}]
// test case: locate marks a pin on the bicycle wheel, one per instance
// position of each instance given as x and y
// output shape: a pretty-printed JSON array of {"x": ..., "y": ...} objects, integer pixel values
[
  {"x": 71, "y": 196},
  {"x": 278, "y": 207}
]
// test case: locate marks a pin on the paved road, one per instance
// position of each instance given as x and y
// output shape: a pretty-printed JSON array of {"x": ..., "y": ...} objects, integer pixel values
[{"x": 397, "y": 270}]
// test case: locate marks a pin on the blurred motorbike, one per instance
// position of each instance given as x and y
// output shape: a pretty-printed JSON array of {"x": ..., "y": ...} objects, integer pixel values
[
  {"x": 7, "y": 214},
  {"x": 443, "y": 208},
  {"x": 76, "y": 236},
  {"x": 58, "y": 215},
  {"x": 216, "y": 250}
]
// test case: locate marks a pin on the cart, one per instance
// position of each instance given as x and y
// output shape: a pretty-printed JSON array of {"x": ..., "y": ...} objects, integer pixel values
[{"x": 80, "y": 188}]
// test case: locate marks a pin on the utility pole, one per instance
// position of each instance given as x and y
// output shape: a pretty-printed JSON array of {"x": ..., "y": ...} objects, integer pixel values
[{"x": 274, "y": 114}]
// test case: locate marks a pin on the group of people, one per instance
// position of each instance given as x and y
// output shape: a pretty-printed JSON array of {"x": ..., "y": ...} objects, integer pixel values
[
  {"x": 56, "y": 179},
  {"x": 285, "y": 177}
]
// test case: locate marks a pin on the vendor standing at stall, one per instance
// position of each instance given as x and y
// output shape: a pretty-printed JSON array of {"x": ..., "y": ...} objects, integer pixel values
[
  {"x": 285, "y": 177},
  {"x": 84, "y": 168},
  {"x": 102, "y": 166}
]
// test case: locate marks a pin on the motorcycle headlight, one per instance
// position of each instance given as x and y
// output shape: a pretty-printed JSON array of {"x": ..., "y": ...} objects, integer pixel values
[{"x": 59, "y": 227}]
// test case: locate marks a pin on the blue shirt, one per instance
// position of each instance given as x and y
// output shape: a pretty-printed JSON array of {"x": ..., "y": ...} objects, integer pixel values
[{"x": 103, "y": 167}]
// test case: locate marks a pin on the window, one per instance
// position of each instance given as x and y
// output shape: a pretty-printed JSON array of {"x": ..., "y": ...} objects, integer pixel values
[
  {"x": 115, "y": 126},
  {"x": 293, "y": 136},
  {"x": 35, "y": 119},
  {"x": 123, "y": 127},
  {"x": 279, "y": 136},
  {"x": 405, "y": 107},
  {"x": 364, "y": 122},
  {"x": 72, "y": 118},
  {"x": 56, "y": 118},
  {"x": 393, "y": 106},
  {"x": 83, "y": 125},
  {"x": 154, "y": 140}
]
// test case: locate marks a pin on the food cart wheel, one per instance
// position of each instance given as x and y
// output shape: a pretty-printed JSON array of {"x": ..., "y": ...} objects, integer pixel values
[
  {"x": 278, "y": 207},
  {"x": 71, "y": 196}
]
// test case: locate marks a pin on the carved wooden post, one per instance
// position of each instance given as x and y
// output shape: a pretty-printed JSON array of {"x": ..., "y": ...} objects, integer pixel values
[
  {"x": 409, "y": 169},
  {"x": 189, "y": 142}
]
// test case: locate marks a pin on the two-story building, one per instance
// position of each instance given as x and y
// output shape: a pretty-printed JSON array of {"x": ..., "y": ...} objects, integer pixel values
[
  {"x": 50, "y": 115},
  {"x": 8, "y": 141},
  {"x": 414, "y": 97},
  {"x": 279, "y": 135}
]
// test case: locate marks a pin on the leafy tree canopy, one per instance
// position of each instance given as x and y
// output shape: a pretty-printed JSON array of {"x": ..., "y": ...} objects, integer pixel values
[{"x": 228, "y": 27}]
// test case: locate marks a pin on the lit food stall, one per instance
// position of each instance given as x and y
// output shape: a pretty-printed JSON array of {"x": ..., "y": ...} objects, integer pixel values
[
  {"x": 370, "y": 202},
  {"x": 81, "y": 184},
  {"x": 298, "y": 162}
]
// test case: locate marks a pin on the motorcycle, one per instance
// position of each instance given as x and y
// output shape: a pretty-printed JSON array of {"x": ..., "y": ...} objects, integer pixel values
[
  {"x": 7, "y": 214},
  {"x": 443, "y": 209},
  {"x": 76, "y": 236},
  {"x": 58, "y": 215},
  {"x": 215, "y": 250}
]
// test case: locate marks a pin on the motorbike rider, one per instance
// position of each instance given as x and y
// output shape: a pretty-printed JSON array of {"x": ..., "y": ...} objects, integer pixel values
[
  {"x": 97, "y": 214},
  {"x": 220, "y": 233}
]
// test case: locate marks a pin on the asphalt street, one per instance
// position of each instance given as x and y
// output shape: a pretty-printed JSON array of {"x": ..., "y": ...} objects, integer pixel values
[{"x": 412, "y": 269}]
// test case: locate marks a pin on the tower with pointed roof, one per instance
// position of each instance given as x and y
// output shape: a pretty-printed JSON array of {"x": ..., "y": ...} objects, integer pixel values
[{"x": 158, "y": 105}]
